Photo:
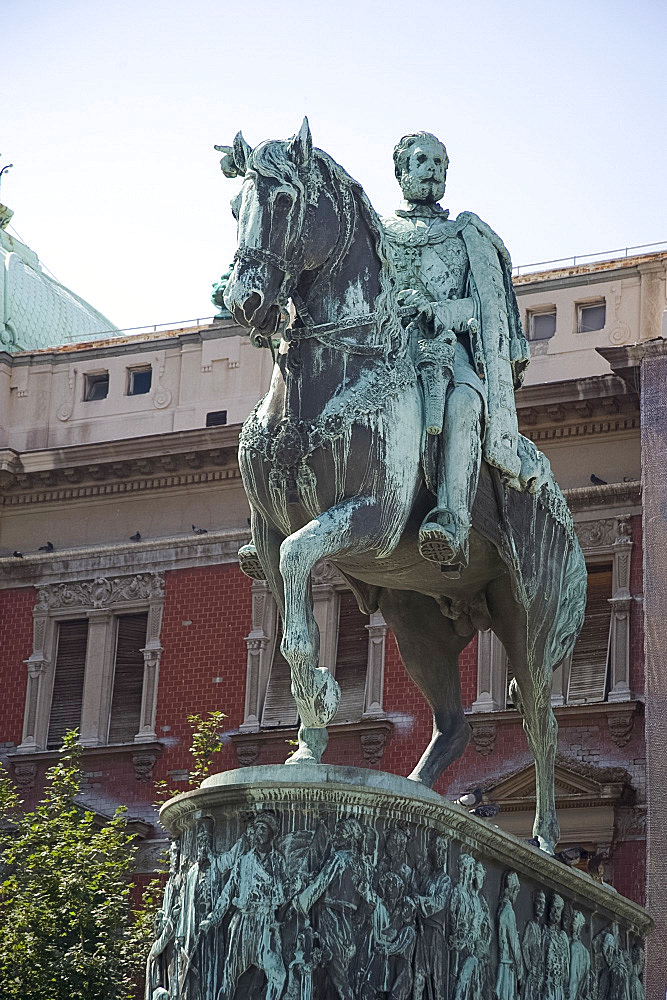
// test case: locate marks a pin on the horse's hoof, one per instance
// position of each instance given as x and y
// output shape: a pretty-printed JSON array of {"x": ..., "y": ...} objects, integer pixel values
[
  {"x": 304, "y": 755},
  {"x": 249, "y": 562}
]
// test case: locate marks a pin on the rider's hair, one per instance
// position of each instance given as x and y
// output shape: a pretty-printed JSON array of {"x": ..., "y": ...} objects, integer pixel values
[{"x": 404, "y": 145}]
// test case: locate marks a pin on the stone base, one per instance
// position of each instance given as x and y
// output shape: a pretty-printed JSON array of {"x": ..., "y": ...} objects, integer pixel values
[{"x": 331, "y": 883}]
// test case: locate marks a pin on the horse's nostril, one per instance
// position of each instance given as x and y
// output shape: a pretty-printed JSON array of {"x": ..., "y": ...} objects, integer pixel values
[{"x": 251, "y": 305}]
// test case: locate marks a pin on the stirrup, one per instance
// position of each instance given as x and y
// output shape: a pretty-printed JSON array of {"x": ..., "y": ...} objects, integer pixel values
[
  {"x": 249, "y": 562},
  {"x": 439, "y": 542}
]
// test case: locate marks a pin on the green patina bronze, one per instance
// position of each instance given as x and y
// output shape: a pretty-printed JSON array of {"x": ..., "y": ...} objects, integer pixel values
[{"x": 388, "y": 441}]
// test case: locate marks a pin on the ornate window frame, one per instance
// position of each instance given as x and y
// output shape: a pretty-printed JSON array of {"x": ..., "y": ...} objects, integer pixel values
[
  {"x": 327, "y": 585},
  {"x": 601, "y": 539},
  {"x": 101, "y": 601}
]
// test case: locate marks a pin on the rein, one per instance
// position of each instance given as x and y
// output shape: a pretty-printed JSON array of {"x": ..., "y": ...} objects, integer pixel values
[{"x": 292, "y": 266}]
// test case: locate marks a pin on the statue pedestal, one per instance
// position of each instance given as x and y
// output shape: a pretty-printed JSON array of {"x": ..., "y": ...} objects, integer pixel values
[{"x": 316, "y": 882}]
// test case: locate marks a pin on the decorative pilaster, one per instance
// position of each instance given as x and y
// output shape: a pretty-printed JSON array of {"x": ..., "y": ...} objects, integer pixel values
[
  {"x": 377, "y": 639},
  {"x": 98, "y": 679},
  {"x": 621, "y": 603},
  {"x": 491, "y": 674},
  {"x": 259, "y": 642},
  {"x": 152, "y": 653},
  {"x": 40, "y": 684}
]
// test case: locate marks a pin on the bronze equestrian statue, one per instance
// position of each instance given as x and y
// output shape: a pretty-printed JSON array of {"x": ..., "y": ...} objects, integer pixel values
[{"x": 388, "y": 440}]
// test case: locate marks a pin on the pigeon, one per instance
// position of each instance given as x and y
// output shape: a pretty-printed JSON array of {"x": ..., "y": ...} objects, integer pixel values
[
  {"x": 17, "y": 554},
  {"x": 136, "y": 537},
  {"x": 470, "y": 799},
  {"x": 46, "y": 548},
  {"x": 199, "y": 531},
  {"x": 571, "y": 856},
  {"x": 596, "y": 481},
  {"x": 487, "y": 810}
]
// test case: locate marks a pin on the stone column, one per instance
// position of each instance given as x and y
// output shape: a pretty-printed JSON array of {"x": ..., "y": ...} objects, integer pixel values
[
  {"x": 491, "y": 674},
  {"x": 40, "y": 685},
  {"x": 98, "y": 680},
  {"x": 260, "y": 647},
  {"x": 654, "y": 505},
  {"x": 377, "y": 638},
  {"x": 621, "y": 603}
]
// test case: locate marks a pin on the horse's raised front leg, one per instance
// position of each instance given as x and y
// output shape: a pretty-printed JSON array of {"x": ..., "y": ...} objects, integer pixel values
[
  {"x": 531, "y": 693},
  {"x": 353, "y": 525},
  {"x": 430, "y": 650}
]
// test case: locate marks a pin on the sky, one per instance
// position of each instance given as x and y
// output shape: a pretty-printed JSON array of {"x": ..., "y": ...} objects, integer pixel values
[{"x": 553, "y": 115}]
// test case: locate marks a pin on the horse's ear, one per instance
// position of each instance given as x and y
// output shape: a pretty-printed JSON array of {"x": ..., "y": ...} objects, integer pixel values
[
  {"x": 242, "y": 153},
  {"x": 300, "y": 147}
]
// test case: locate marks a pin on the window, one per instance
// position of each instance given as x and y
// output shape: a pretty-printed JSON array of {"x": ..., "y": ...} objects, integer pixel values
[
  {"x": 541, "y": 324},
  {"x": 139, "y": 381},
  {"x": 599, "y": 667},
  {"x": 591, "y": 316},
  {"x": 95, "y": 662},
  {"x": 352, "y": 646},
  {"x": 70, "y": 673},
  {"x": 67, "y": 696},
  {"x": 217, "y": 418},
  {"x": 95, "y": 386},
  {"x": 589, "y": 660}
]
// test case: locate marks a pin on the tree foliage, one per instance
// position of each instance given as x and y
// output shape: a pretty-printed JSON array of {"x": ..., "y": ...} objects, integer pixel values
[{"x": 68, "y": 930}]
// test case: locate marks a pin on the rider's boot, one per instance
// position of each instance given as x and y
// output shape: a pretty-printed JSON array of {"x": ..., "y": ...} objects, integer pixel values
[
  {"x": 249, "y": 562},
  {"x": 443, "y": 539}
]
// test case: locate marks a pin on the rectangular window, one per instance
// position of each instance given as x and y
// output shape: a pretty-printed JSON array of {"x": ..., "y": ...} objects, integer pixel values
[
  {"x": 279, "y": 705},
  {"x": 588, "y": 672},
  {"x": 351, "y": 659},
  {"x": 591, "y": 317},
  {"x": 217, "y": 418},
  {"x": 67, "y": 696},
  {"x": 541, "y": 324},
  {"x": 128, "y": 682},
  {"x": 139, "y": 381},
  {"x": 95, "y": 386}
]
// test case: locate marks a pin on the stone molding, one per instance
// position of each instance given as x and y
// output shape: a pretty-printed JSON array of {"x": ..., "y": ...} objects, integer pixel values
[
  {"x": 362, "y": 793},
  {"x": 626, "y": 496},
  {"x": 151, "y": 555},
  {"x": 24, "y": 764},
  {"x": 620, "y": 718},
  {"x": 98, "y": 600},
  {"x": 373, "y": 735}
]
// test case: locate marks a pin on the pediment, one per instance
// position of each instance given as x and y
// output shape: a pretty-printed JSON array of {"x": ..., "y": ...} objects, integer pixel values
[{"x": 575, "y": 783}]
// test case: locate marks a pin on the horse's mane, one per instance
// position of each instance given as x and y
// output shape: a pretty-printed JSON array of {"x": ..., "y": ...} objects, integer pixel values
[{"x": 271, "y": 159}]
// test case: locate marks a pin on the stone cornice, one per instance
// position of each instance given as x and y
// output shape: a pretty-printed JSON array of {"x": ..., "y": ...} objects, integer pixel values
[
  {"x": 592, "y": 498},
  {"x": 171, "y": 459},
  {"x": 577, "y": 408},
  {"x": 150, "y": 555}
]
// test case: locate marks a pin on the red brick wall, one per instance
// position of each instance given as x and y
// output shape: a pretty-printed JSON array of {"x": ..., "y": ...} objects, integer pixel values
[{"x": 15, "y": 647}]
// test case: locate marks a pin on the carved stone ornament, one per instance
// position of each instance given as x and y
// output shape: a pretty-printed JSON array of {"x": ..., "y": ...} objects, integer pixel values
[
  {"x": 25, "y": 772},
  {"x": 483, "y": 736},
  {"x": 247, "y": 753},
  {"x": 100, "y": 592},
  {"x": 144, "y": 762},
  {"x": 344, "y": 884},
  {"x": 600, "y": 533},
  {"x": 373, "y": 742},
  {"x": 620, "y": 727}
]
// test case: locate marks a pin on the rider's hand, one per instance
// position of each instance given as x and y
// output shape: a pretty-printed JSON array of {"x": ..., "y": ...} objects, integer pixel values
[{"x": 416, "y": 300}]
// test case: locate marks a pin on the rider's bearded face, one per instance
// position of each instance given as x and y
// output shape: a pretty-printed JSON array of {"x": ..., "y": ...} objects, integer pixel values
[{"x": 423, "y": 176}]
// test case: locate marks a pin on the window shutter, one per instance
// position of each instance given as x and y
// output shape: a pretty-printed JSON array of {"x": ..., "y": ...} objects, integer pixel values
[
  {"x": 279, "y": 705},
  {"x": 68, "y": 682},
  {"x": 128, "y": 678},
  {"x": 351, "y": 659},
  {"x": 588, "y": 673}
]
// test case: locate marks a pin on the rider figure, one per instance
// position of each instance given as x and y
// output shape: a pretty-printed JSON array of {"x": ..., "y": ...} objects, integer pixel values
[{"x": 455, "y": 276}]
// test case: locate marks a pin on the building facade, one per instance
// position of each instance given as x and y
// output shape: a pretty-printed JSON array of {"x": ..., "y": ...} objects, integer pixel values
[{"x": 123, "y": 609}]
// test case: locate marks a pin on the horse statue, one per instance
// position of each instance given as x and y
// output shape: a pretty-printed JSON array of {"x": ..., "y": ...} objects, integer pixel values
[{"x": 333, "y": 462}]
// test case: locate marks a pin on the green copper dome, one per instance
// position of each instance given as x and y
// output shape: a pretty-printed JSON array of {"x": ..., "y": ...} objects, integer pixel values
[{"x": 35, "y": 310}]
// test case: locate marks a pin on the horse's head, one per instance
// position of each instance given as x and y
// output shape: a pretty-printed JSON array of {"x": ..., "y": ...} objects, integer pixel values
[{"x": 271, "y": 212}]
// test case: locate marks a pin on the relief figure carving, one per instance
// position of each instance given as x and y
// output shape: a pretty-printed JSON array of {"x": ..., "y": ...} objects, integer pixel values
[
  {"x": 532, "y": 947},
  {"x": 580, "y": 961},
  {"x": 510, "y": 960},
  {"x": 556, "y": 952},
  {"x": 432, "y": 903},
  {"x": 255, "y": 892}
]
